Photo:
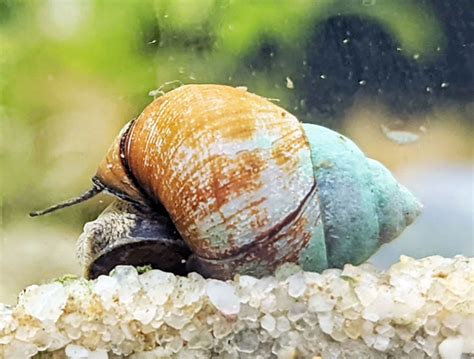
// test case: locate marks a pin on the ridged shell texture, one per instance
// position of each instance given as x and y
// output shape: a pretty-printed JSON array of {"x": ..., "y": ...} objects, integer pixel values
[{"x": 231, "y": 168}]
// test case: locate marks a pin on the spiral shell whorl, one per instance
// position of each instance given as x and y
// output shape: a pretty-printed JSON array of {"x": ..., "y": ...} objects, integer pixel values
[
  {"x": 397, "y": 207},
  {"x": 362, "y": 204}
]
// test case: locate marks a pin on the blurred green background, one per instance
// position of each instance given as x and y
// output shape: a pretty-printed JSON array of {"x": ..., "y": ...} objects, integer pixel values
[{"x": 73, "y": 72}]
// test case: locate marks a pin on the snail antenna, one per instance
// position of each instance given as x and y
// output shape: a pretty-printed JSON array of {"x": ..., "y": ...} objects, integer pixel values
[{"x": 84, "y": 197}]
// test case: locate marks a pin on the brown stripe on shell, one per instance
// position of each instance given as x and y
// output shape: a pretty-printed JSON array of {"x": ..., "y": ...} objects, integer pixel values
[
  {"x": 285, "y": 147},
  {"x": 242, "y": 174},
  {"x": 285, "y": 243}
]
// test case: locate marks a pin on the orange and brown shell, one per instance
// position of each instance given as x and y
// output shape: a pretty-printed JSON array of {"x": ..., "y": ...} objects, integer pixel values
[{"x": 232, "y": 169}]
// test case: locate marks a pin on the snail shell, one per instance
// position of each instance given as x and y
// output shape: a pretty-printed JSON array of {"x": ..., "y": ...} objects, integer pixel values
[
  {"x": 233, "y": 171},
  {"x": 249, "y": 187}
]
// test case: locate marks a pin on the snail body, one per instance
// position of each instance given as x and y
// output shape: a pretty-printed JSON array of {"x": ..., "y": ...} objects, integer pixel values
[{"x": 249, "y": 187}]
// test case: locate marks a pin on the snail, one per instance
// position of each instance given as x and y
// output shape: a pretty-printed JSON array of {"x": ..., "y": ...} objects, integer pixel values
[{"x": 217, "y": 180}]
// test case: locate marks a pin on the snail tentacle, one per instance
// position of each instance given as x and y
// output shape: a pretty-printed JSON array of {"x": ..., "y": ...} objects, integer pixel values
[{"x": 95, "y": 190}]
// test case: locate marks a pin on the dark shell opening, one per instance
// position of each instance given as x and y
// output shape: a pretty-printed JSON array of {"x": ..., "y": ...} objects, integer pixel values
[
  {"x": 165, "y": 254},
  {"x": 151, "y": 240}
]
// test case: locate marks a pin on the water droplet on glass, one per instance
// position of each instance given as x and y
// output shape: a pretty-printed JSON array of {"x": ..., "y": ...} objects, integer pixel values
[
  {"x": 429, "y": 89},
  {"x": 399, "y": 137},
  {"x": 362, "y": 82},
  {"x": 273, "y": 99},
  {"x": 289, "y": 83},
  {"x": 345, "y": 41},
  {"x": 444, "y": 85},
  {"x": 322, "y": 76},
  {"x": 416, "y": 56}
]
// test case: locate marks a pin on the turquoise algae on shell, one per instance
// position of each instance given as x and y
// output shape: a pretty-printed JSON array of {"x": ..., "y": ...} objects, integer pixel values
[{"x": 362, "y": 205}]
